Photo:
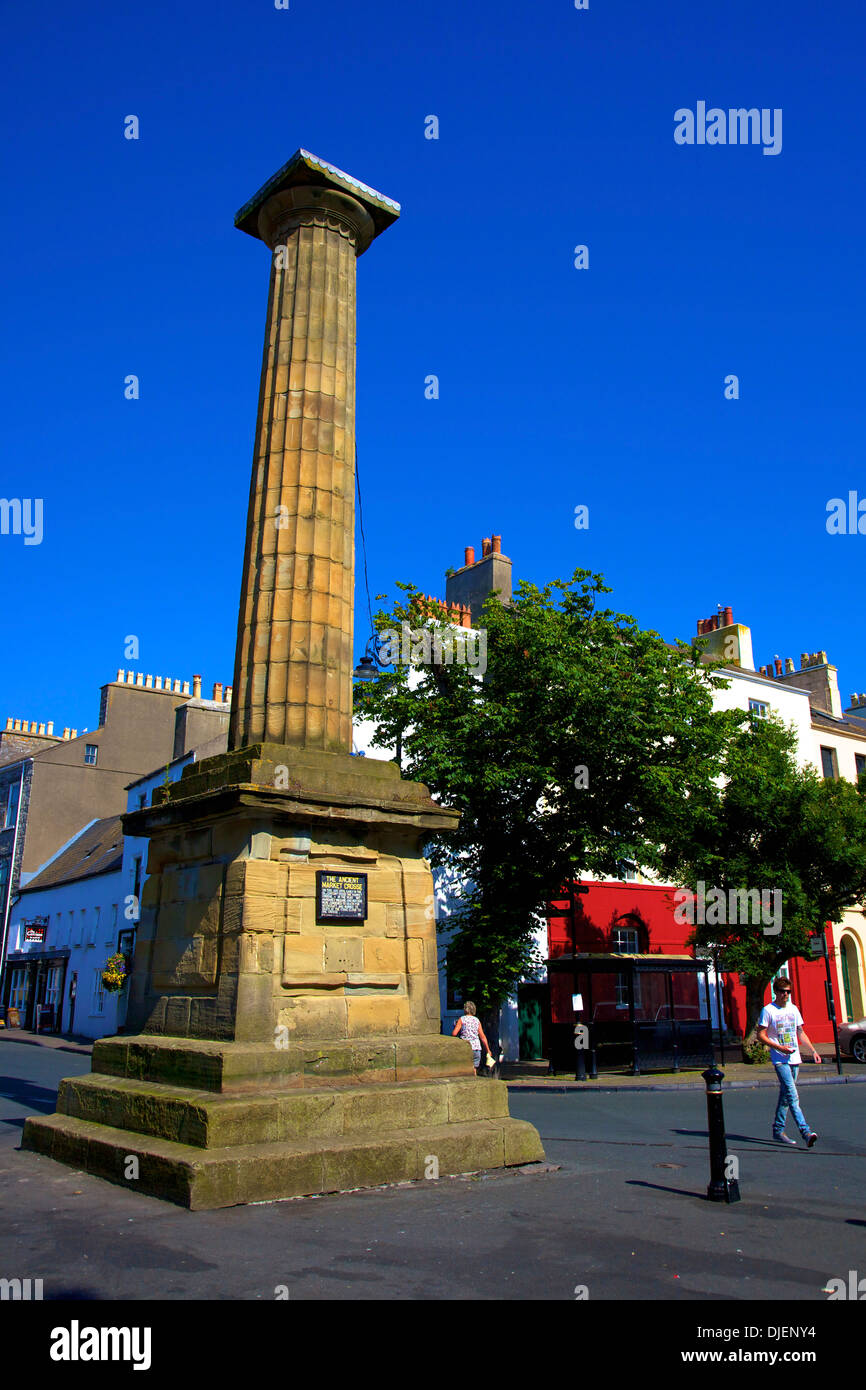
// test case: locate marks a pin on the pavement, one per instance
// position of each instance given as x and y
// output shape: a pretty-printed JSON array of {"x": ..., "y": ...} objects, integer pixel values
[
  {"x": 619, "y": 1212},
  {"x": 55, "y": 1042},
  {"x": 535, "y": 1076}
]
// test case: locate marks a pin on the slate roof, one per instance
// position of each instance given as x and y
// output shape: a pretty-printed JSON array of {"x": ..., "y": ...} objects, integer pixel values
[
  {"x": 98, "y": 850},
  {"x": 846, "y": 725}
]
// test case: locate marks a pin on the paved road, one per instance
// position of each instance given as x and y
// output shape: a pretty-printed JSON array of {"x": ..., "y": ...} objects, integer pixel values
[{"x": 624, "y": 1216}]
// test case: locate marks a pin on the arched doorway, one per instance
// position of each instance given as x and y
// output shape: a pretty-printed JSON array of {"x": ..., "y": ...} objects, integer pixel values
[{"x": 852, "y": 981}]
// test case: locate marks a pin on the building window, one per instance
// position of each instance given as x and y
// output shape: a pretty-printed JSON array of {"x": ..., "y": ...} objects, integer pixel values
[
  {"x": 829, "y": 766},
  {"x": 142, "y": 800},
  {"x": 52, "y": 986},
  {"x": 625, "y": 941},
  {"x": 627, "y": 870},
  {"x": 12, "y": 805},
  {"x": 91, "y": 752},
  {"x": 94, "y": 929},
  {"x": 136, "y": 878},
  {"x": 58, "y": 931},
  {"x": 860, "y": 761},
  {"x": 98, "y": 992},
  {"x": 18, "y": 989},
  {"x": 759, "y": 709},
  {"x": 454, "y": 999}
]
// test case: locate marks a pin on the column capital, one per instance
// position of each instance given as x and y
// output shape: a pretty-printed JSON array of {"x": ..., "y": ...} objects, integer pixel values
[{"x": 307, "y": 188}]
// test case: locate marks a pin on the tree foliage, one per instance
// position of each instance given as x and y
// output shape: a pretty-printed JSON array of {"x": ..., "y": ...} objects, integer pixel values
[
  {"x": 588, "y": 742},
  {"x": 782, "y": 829}
]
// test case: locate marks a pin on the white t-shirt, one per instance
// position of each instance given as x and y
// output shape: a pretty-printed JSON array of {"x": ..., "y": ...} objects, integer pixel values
[{"x": 781, "y": 1026}]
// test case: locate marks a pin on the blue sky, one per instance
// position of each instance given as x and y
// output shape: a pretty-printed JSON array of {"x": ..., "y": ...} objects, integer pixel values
[{"x": 559, "y": 387}]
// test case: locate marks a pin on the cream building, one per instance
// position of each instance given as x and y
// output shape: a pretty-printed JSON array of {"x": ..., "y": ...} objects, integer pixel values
[{"x": 829, "y": 739}]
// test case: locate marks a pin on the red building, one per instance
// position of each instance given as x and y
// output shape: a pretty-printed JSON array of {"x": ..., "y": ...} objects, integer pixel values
[{"x": 638, "y": 918}]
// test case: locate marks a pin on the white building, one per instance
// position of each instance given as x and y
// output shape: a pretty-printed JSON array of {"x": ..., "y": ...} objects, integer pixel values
[
  {"x": 64, "y": 925},
  {"x": 82, "y": 905}
]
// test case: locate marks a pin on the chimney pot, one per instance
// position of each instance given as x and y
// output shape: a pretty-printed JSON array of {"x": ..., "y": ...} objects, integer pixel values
[
  {"x": 176, "y": 690},
  {"x": 778, "y": 666},
  {"x": 227, "y": 695},
  {"x": 218, "y": 692},
  {"x": 9, "y": 722},
  {"x": 822, "y": 658},
  {"x": 73, "y": 733},
  {"x": 196, "y": 687},
  {"x": 120, "y": 677},
  {"x": 42, "y": 728},
  {"x": 50, "y": 729},
  {"x": 485, "y": 546},
  {"x": 469, "y": 555},
  {"x": 789, "y": 665},
  {"x": 157, "y": 682},
  {"x": 497, "y": 545},
  {"x": 139, "y": 679},
  {"x": 148, "y": 682},
  {"x": 728, "y": 617},
  {"x": 17, "y": 726},
  {"x": 185, "y": 688}
]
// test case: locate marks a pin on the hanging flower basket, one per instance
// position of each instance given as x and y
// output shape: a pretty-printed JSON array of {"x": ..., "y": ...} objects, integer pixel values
[{"x": 114, "y": 973}]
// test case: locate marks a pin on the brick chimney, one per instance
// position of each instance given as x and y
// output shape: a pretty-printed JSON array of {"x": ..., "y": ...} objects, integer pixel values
[
  {"x": 819, "y": 678},
  {"x": 467, "y": 589}
]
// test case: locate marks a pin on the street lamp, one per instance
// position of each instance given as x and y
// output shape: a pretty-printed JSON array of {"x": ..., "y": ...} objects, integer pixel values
[{"x": 371, "y": 663}]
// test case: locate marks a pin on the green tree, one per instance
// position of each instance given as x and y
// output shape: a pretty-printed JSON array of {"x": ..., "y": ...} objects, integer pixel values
[
  {"x": 588, "y": 742},
  {"x": 776, "y": 828}
]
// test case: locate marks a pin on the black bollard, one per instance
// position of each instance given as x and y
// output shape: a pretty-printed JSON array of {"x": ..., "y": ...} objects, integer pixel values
[{"x": 721, "y": 1188}]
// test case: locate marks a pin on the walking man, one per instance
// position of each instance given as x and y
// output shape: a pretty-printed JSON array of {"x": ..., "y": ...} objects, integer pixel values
[{"x": 780, "y": 1028}]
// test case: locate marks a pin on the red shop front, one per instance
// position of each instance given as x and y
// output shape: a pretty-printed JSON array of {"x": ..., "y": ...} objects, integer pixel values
[{"x": 638, "y": 918}]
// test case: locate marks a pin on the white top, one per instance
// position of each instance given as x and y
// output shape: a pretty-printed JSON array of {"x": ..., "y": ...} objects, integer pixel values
[{"x": 781, "y": 1026}]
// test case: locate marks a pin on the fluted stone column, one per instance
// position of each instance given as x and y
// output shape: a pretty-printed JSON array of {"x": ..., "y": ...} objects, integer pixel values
[
  {"x": 293, "y": 662},
  {"x": 277, "y": 1048}
]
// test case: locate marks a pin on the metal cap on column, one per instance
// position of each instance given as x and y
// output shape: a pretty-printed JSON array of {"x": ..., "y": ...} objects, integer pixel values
[{"x": 293, "y": 662}]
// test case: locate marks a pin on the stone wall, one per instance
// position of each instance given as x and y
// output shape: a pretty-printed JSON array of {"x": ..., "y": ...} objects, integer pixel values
[{"x": 229, "y": 946}]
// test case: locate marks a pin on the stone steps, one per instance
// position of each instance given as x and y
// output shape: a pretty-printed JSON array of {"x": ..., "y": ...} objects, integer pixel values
[
  {"x": 208, "y": 1065},
  {"x": 202, "y": 1119},
  {"x": 205, "y": 1179}
]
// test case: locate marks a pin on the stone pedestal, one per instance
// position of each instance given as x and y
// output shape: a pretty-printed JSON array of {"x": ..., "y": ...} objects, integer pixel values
[{"x": 275, "y": 1054}]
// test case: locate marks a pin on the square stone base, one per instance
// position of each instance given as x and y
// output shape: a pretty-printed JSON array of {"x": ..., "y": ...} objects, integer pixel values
[{"x": 211, "y": 1125}]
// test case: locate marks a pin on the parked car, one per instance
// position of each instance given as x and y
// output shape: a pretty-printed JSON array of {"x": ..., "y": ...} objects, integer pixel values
[{"x": 852, "y": 1039}]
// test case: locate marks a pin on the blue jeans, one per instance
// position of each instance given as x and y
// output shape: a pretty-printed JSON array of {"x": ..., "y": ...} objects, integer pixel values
[{"x": 787, "y": 1075}]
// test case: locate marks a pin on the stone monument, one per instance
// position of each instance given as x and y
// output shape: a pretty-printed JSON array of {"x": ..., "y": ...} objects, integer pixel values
[{"x": 284, "y": 1010}]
